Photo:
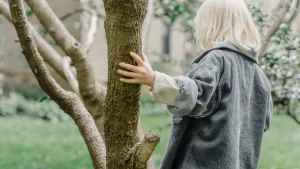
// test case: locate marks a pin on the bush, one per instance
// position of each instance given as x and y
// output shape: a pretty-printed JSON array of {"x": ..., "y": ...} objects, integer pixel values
[
  {"x": 15, "y": 103},
  {"x": 28, "y": 91}
]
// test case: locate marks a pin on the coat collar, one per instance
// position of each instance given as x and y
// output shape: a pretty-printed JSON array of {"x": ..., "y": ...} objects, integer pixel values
[{"x": 249, "y": 54}]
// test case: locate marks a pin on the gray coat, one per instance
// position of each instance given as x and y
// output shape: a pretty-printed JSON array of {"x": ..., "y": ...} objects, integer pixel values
[{"x": 224, "y": 107}]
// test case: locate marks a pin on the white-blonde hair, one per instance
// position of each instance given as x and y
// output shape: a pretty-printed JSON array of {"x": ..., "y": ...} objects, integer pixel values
[{"x": 218, "y": 21}]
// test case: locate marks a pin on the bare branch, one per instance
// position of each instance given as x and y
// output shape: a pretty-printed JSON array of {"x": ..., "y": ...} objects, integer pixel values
[
  {"x": 275, "y": 21},
  {"x": 91, "y": 33},
  {"x": 76, "y": 11},
  {"x": 2, "y": 76},
  {"x": 68, "y": 101},
  {"x": 146, "y": 148},
  {"x": 69, "y": 74},
  {"x": 293, "y": 116},
  {"x": 147, "y": 22},
  {"x": 145, "y": 33},
  {"x": 50, "y": 55},
  {"x": 290, "y": 113},
  {"x": 90, "y": 91},
  {"x": 141, "y": 135},
  {"x": 290, "y": 16},
  {"x": 1, "y": 83}
]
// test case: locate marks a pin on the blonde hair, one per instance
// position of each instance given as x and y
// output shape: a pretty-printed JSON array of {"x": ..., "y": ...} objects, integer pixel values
[{"x": 218, "y": 21}]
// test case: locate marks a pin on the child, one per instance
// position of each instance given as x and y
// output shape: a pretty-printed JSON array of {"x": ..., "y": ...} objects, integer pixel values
[{"x": 224, "y": 105}]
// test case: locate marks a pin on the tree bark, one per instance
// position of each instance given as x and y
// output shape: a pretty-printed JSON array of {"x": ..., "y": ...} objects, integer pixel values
[
  {"x": 167, "y": 41},
  {"x": 141, "y": 135},
  {"x": 123, "y": 25},
  {"x": 50, "y": 55},
  {"x": 274, "y": 23},
  {"x": 91, "y": 92},
  {"x": 290, "y": 16},
  {"x": 2, "y": 76},
  {"x": 54, "y": 59},
  {"x": 1, "y": 83},
  {"x": 68, "y": 101}
]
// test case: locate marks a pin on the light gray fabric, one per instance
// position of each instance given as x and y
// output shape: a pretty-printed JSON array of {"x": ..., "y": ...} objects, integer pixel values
[{"x": 222, "y": 111}]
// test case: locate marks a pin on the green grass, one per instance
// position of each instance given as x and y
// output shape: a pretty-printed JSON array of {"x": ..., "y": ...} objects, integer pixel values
[
  {"x": 28, "y": 143},
  {"x": 281, "y": 145}
]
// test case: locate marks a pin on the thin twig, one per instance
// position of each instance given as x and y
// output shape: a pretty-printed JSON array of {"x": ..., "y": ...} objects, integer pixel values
[
  {"x": 71, "y": 78},
  {"x": 293, "y": 12},
  {"x": 91, "y": 92},
  {"x": 76, "y": 11},
  {"x": 145, "y": 149}
]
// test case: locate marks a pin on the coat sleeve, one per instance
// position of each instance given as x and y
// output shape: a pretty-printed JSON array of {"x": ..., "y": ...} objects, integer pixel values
[
  {"x": 269, "y": 113},
  {"x": 197, "y": 89},
  {"x": 165, "y": 89}
]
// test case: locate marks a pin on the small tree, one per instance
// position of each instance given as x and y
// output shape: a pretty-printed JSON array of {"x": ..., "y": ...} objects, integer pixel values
[
  {"x": 87, "y": 101},
  {"x": 281, "y": 63},
  {"x": 123, "y": 147}
]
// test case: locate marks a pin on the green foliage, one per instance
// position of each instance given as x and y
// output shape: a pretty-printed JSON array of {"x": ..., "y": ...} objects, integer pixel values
[
  {"x": 281, "y": 63},
  {"x": 29, "y": 12},
  {"x": 15, "y": 104},
  {"x": 44, "y": 98},
  {"x": 28, "y": 91},
  {"x": 170, "y": 11}
]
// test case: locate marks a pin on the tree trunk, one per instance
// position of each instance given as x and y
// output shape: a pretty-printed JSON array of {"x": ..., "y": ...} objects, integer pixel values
[
  {"x": 1, "y": 83},
  {"x": 123, "y": 25},
  {"x": 167, "y": 42}
]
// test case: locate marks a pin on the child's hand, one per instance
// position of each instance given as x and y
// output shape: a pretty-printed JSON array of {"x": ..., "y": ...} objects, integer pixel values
[{"x": 141, "y": 74}]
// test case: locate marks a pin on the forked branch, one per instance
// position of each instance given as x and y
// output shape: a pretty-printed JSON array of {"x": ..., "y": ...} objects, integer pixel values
[
  {"x": 274, "y": 23},
  {"x": 91, "y": 92},
  {"x": 68, "y": 101},
  {"x": 290, "y": 16},
  {"x": 50, "y": 55},
  {"x": 145, "y": 150}
]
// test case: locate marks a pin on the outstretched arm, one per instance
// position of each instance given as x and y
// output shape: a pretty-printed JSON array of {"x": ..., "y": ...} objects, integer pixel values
[{"x": 163, "y": 87}]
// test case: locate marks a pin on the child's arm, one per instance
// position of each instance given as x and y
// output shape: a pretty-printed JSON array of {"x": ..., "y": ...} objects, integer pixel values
[
  {"x": 198, "y": 90},
  {"x": 195, "y": 92},
  {"x": 165, "y": 89}
]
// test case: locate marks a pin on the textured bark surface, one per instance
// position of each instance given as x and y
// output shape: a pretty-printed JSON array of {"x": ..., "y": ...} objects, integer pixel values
[
  {"x": 123, "y": 25},
  {"x": 145, "y": 150},
  {"x": 91, "y": 92},
  {"x": 68, "y": 101},
  {"x": 54, "y": 59},
  {"x": 141, "y": 135}
]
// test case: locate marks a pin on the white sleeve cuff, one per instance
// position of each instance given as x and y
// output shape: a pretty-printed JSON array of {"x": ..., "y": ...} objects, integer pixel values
[{"x": 165, "y": 89}]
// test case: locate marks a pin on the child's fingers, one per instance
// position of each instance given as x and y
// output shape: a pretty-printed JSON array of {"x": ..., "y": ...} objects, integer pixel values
[
  {"x": 136, "y": 58},
  {"x": 145, "y": 58},
  {"x": 131, "y": 81},
  {"x": 128, "y": 74},
  {"x": 129, "y": 67}
]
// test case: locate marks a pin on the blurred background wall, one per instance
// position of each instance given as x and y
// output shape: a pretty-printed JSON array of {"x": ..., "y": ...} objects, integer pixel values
[{"x": 16, "y": 67}]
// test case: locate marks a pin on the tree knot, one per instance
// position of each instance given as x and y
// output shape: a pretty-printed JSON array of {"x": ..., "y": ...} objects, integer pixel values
[
  {"x": 76, "y": 45},
  {"x": 131, "y": 154}
]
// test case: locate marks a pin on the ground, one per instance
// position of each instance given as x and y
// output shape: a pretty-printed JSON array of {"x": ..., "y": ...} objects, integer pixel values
[{"x": 36, "y": 144}]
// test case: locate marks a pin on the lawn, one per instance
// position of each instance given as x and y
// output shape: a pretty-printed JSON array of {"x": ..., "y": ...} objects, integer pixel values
[{"x": 28, "y": 143}]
